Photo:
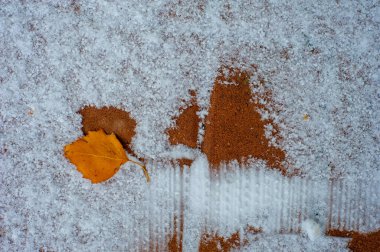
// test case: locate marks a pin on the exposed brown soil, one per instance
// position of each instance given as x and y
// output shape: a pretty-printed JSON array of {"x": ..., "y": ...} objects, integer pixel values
[
  {"x": 111, "y": 120},
  {"x": 175, "y": 244},
  {"x": 186, "y": 130},
  {"x": 365, "y": 242},
  {"x": 361, "y": 242},
  {"x": 215, "y": 243},
  {"x": 184, "y": 162},
  {"x": 341, "y": 233},
  {"x": 176, "y": 239},
  {"x": 234, "y": 128},
  {"x": 253, "y": 230}
]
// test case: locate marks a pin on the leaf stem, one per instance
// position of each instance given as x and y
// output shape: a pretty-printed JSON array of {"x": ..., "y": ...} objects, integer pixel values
[{"x": 143, "y": 168}]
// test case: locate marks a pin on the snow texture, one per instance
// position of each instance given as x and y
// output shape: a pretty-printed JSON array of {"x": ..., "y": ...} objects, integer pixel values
[
  {"x": 319, "y": 58},
  {"x": 312, "y": 229}
]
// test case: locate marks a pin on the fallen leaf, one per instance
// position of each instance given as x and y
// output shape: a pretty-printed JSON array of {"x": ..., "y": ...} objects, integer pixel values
[
  {"x": 98, "y": 156},
  {"x": 306, "y": 117}
]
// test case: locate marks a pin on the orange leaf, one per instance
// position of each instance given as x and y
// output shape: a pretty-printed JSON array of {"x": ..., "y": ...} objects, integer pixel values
[{"x": 97, "y": 156}]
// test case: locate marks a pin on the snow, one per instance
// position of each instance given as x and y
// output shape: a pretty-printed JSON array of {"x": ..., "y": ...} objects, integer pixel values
[
  {"x": 144, "y": 56},
  {"x": 312, "y": 229},
  {"x": 180, "y": 151}
]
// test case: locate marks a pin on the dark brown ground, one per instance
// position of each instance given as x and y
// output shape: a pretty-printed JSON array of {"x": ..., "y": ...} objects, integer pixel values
[
  {"x": 111, "y": 120},
  {"x": 361, "y": 242},
  {"x": 215, "y": 243},
  {"x": 341, "y": 233},
  {"x": 186, "y": 130},
  {"x": 234, "y": 128},
  {"x": 184, "y": 162},
  {"x": 176, "y": 237}
]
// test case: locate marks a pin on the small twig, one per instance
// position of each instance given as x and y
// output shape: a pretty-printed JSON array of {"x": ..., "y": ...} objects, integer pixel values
[{"x": 144, "y": 170}]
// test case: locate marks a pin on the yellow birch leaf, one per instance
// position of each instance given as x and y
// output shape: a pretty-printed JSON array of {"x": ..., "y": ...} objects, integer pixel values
[{"x": 98, "y": 156}]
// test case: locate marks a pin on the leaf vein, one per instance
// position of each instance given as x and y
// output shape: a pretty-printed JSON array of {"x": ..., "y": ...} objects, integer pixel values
[{"x": 99, "y": 156}]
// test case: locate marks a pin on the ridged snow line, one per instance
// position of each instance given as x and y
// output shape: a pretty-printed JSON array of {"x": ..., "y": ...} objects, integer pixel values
[{"x": 233, "y": 198}]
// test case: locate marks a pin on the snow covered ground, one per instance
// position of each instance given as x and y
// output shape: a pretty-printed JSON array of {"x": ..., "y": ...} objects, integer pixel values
[{"x": 319, "y": 58}]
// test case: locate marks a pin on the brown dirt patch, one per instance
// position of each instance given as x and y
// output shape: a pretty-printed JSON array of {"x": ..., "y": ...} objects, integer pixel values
[
  {"x": 176, "y": 239},
  {"x": 186, "y": 130},
  {"x": 234, "y": 128},
  {"x": 365, "y": 242},
  {"x": 341, "y": 233},
  {"x": 111, "y": 120},
  {"x": 361, "y": 242},
  {"x": 184, "y": 162},
  {"x": 215, "y": 243}
]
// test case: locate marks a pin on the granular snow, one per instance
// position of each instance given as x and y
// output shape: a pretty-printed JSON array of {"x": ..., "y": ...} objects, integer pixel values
[{"x": 319, "y": 58}]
